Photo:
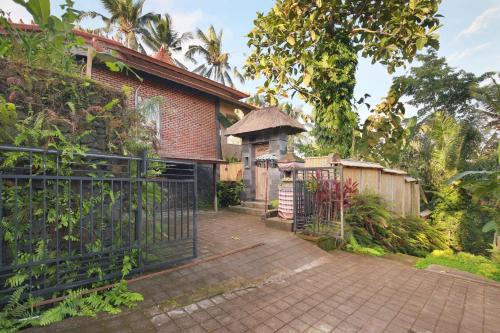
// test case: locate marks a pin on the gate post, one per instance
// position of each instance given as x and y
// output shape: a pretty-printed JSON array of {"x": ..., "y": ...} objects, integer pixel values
[
  {"x": 141, "y": 169},
  {"x": 294, "y": 189},
  {"x": 341, "y": 200},
  {"x": 195, "y": 211}
]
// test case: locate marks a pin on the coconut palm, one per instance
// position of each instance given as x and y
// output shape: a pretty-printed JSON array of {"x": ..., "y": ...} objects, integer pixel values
[
  {"x": 160, "y": 34},
  {"x": 216, "y": 63},
  {"x": 127, "y": 17}
]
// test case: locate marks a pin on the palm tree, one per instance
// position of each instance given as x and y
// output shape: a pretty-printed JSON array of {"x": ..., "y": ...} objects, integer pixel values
[
  {"x": 127, "y": 16},
  {"x": 161, "y": 35},
  {"x": 216, "y": 64}
]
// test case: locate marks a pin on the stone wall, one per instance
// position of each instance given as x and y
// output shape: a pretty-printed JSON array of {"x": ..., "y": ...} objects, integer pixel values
[{"x": 277, "y": 146}]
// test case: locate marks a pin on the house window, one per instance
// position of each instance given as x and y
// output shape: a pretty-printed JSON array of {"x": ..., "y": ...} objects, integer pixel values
[{"x": 150, "y": 107}]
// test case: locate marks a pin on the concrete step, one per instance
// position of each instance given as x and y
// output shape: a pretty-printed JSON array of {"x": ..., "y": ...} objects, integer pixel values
[
  {"x": 279, "y": 223},
  {"x": 246, "y": 210},
  {"x": 254, "y": 204},
  {"x": 253, "y": 211},
  {"x": 270, "y": 213}
]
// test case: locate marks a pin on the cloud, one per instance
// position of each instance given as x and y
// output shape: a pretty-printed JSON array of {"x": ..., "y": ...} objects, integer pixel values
[
  {"x": 482, "y": 21},
  {"x": 454, "y": 57},
  {"x": 186, "y": 21},
  {"x": 15, "y": 11}
]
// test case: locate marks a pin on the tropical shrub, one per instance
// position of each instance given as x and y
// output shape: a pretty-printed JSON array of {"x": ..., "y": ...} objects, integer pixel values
[
  {"x": 368, "y": 218},
  {"x": 462, "y": 221},
  {"x": 51, "y": 46},
  {"x": 372, "y": 224},
  {"x": 57, "y": 104},
  {"x": 373, "y": 250},
  {"x": 415, "y": 236},
  {"x": 21, "y": 313},
  {"x": 495, "y": 254},
  {"x": 329, "y": 243},
  {"x": 45, "y": 104},
  {"x": 228, "y": 193},
  {"x": 327, "y": 195},
  {"x": 468, "y": 262}
]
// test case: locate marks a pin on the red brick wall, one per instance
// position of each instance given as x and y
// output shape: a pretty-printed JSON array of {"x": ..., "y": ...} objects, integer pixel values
[{"x": 188, "y": 122}]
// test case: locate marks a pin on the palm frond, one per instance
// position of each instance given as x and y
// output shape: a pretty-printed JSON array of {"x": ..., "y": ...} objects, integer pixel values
[
  {"x": 210, "y": 48},
  {"x": 201, "y": 68},
  {"x": 228, "y": 79}
]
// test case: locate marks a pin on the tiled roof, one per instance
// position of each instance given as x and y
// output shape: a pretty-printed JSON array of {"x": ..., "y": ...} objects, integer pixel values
[{"x": 162, "y": 67}]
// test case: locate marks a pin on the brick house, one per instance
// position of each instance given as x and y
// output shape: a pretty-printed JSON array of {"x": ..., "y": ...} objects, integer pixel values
[{"x": 187, "y": 118}]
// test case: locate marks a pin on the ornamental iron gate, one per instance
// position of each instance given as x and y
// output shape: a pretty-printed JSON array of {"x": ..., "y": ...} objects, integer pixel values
[
  {"x": 69, "y": 219},
  {"x": 319, "y": 200}
]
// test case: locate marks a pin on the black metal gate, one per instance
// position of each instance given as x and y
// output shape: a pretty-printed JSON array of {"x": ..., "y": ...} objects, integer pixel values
[
  {"x": 319, "y": 200},
  {"x": 69, "y": 219}
]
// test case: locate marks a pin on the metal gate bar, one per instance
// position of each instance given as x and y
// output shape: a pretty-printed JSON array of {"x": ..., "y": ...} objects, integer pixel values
[
  {"x": 68, "y": 220},
  {"x": 319, "y": 200}
]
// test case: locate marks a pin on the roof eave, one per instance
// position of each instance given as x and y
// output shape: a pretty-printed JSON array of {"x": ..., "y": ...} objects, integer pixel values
[
  {"x": 291, "y": 131},
  {"x": 178, "y": 75}
]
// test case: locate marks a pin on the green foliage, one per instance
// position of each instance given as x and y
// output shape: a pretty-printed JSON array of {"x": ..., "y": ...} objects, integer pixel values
[
  {"x": 372, "y": 224},
  {"x": 315, "y": 229},
  {"x": 495, "y": 254},
  {"x": 435, "y": 86},
  {"x": 19, "y": 313},
  {"x": 46, "y": 105},
  {"x": 462, "y": 220},
  {"x": 475, "y": 264},
  {"x": 55, "y": 109},
  {"x": 447, "y": 135},
  {"x": 330, "y": 243},
  {"x": 228, "y": 193},
  {"x": 232, "y": 159},
  {"x": 415, "y": 236},
  {"x": 8, "y": 117},
  {"x": 310, "y": 48},
  {"x": 373, "y": 250},
  {"x": 215, "y": 64},
  {"x": 386, "y": 135},
  {"x": 368, "y": 216},
  {"x": 160, "y": 34},
  {"x": 49, "y": 48},
  {"x": 275, "y": 203},
  {"x": 484, "y": 190},
  {"x": 455, "y": 133},
  {"x": 127, "y": 18}
]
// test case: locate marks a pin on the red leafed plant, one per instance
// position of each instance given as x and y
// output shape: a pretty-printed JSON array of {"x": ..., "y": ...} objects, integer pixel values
[{"x": 327, "y": 196}]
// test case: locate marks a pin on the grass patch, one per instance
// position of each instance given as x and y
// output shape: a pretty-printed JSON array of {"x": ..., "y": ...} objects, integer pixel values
[{"x": 463, "y": 261}]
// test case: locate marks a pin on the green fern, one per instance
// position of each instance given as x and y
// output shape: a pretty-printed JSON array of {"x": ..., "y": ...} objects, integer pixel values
[{"x": 18, "y": 314}]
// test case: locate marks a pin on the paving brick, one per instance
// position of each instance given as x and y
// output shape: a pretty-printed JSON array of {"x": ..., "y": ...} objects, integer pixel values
[{"x": 345, "y": 293}]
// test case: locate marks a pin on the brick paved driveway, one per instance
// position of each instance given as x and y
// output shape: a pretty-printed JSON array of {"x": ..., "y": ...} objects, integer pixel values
[{"x": 289, "y": 285}]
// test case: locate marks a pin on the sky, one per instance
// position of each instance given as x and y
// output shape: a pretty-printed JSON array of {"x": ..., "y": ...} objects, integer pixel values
[{"x": 469, "y": 37}]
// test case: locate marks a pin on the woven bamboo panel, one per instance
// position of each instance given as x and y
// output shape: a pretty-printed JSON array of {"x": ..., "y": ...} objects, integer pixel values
[
  {"x": 231, "y": 172},
  {"x": 403, "y": 196}
]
